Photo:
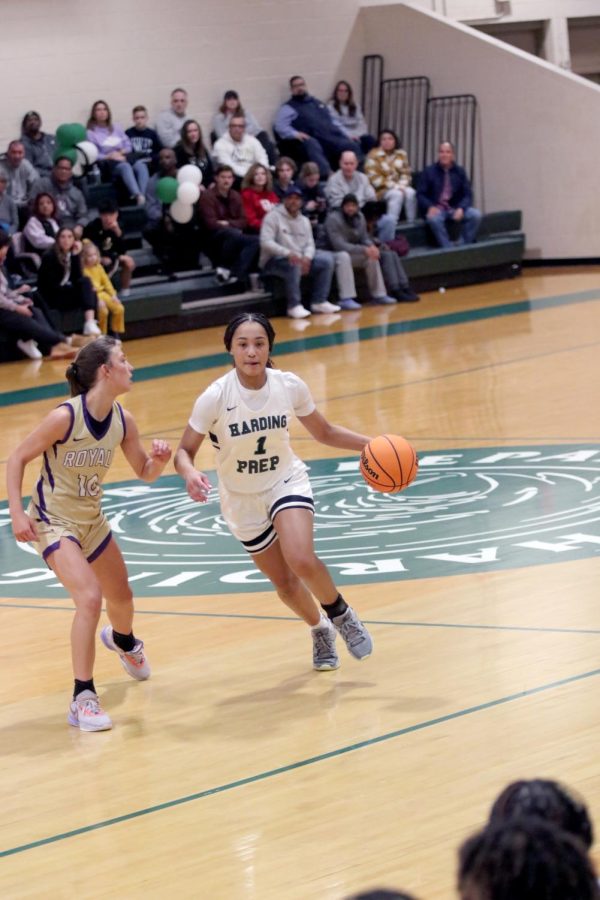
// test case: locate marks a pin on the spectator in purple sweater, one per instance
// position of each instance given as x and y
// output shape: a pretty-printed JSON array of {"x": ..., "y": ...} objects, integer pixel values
[{"x": 114, "y": 147}]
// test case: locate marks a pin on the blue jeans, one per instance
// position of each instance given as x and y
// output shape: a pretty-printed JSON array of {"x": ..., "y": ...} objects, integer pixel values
[
  {"x": 320, "y": 275},
  {"x": 135, "y": 178},
  {"x": 386, "y": 227},
  {"x": 469, "y": 226}
]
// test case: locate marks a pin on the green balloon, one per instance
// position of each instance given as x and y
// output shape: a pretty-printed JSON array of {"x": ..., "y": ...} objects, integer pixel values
[
  {"x": 70, "y": 134},
  {"x": 65, "y": 153},
  {"x": 166, "y": 189}
]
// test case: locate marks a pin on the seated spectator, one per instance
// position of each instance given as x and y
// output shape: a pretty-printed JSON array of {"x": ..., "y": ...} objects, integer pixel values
[
  {"x": 21, "y": 177},
  {"x": 346, "y": 230},
  {"x": 348, "y": 180},
  {"x": 231, "y": 106},
  {"x": 61, "y": 281},
  {"x": 24, "y": 318},
  {"x": 170, "y": 121},
  {"x": 190, "y": 151},
  {"x": 314, "y": 201},
  {"x": 107, "y": 302},
  {"x": 105, "y": 232},
  {"x": 113, "y": 149},
  {"x": 388, "y": 170},
  {"x": 525, "y": 859},
  {"x": 444, "y": 194},
  {"x": 41, "y": 227},
  {"x": 233, "y": 253},
  {"x": 238, "y": 149},
  {"x": 71, "y": 208},
  {"x": 258, "y": 196},
  {"x": 285, "y": 169},
  {"x": 145, "y": 143},
  {"x": 177, "y": 245},
  {"x": 288, "y": 252},
  {"x": 306, "y": 119},
  {"x": 548, "y": 800},
  {"x": 39, "y": 146},
  {"x": 9, "y": 214},
  {"x": 394, "y": 274},
  {"x": 347, "y": 114}
]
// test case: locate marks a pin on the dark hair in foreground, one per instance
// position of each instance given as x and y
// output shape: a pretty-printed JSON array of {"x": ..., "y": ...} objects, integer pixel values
[
  {"x": 381, "y": 894},
  {"x": 548, "y": 800},
  {"x": 83, "y": 371},
  {"x": 243, "y": 317},
  {"x": 525, "y": 859}
]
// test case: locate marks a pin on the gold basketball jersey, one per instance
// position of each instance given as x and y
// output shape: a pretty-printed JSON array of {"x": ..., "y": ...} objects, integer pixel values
[{"x": 73, "y": 469}]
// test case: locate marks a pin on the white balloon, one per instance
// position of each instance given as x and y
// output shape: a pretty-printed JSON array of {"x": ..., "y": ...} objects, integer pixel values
[
  {"x": 187, "y": 192},
  {"x": 181, "y": 212},
  {"x": 189, "y": 173},
  {"x": 89, "y": 150}
]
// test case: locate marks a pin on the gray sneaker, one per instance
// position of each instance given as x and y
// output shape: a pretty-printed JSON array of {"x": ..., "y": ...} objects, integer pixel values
[
  {"x": 355, "y": 635},
  {"x": 325, "y": 657},
  {"x": 133, "y": 661}
]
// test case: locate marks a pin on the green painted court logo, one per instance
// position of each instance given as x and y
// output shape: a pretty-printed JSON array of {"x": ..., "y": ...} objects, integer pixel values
[{"x": 468, "y": 511}]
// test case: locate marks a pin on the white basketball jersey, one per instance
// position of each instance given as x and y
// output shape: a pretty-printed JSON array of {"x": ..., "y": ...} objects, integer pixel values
[{"x": 253, "y": 446}]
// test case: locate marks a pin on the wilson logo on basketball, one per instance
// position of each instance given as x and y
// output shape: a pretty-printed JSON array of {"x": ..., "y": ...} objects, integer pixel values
[{"x": 473, "y": 510}]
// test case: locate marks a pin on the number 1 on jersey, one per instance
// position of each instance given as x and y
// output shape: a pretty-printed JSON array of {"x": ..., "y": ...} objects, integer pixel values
[{"x": 260, "y": 446}]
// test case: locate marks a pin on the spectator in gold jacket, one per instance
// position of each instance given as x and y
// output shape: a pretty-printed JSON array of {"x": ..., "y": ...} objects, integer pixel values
[{"x": 388, "y": 169}]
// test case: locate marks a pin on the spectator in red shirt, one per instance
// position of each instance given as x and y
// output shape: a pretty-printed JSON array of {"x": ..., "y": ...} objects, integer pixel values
[
  {"x": 258, "y": 196},
  {"x": 233, "y": 253}
]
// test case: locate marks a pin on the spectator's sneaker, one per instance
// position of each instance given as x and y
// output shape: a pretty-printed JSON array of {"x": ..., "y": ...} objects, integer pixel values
[
  {"x": 133, "y": 661},
  {"x": 224, "y": 276},
  {"x": 324, "y": 307},
  {"x": 298, "y": 312},
  {"x": 349, "y": 303},
  {"x": 91, "y": 327},
  {"x": 325, "y": 657},
  {"x": 29, "y": 348},
  {"x": 384, "y": 301},
  {"x": 125, "y": 292},
  {"x": 407, "y": 295},
  {"x": 86, "y": 713},
  {"x": 355, "y": 635}
]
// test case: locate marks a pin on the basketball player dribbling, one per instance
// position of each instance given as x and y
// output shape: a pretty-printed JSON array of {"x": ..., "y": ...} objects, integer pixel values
[
  {"x": 266, "y": 497},
  {"x": 65, "y": 523}
]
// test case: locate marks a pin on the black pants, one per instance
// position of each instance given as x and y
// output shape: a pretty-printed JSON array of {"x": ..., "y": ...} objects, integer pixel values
[
  {"x": 235, "y": 251},
  {"x": 36, "y": 327},
  {"x": 74, "y": 295}
]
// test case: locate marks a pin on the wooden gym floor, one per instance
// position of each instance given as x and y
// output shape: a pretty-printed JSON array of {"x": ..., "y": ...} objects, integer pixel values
[{"x": 237, "y": 772}]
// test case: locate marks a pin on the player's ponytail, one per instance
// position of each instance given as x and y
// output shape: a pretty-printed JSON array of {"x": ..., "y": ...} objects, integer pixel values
[
  {"x": 257, "y": 317},
  {"x": 83, "y": 371}
]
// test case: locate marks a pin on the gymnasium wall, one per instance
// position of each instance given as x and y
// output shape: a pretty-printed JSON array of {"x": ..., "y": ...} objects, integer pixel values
[{"x": 538, "y": 125}]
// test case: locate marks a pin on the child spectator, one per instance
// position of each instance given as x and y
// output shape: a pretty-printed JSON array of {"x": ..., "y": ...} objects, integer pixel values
[
  {"x": 105, "y": 232},
  {"x": 106, "y": 296},
  {"x": 145, "y": 142},
  {"x": 314, "y": 200},
  {"x": 41, "y": 228},
  {"x": 285, "y": 169},
  {"x": 258, "y": 196}
]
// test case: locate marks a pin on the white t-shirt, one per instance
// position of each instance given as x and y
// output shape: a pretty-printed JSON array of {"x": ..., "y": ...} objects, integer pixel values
[{"x": 249, "y": 429}]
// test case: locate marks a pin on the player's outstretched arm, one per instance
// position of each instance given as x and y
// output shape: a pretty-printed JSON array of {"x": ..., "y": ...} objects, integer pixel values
[
  {"x": 197, "y": 484},
  {"x": 332, "y": 435},
  {"x": 52, "y": 429},
  {"x": 146, "y": 465}
]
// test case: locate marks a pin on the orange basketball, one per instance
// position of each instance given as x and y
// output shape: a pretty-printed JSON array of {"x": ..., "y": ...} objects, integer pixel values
[{"x": 388, "y": 463}]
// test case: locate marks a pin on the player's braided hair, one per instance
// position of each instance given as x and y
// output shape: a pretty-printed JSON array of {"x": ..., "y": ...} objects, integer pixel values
[
  {"x": 82, "y": 372},
  {"x": 549, "y": 800},
  {"x": 257, "y": 317},
  {"x": 526, "y": 859}
]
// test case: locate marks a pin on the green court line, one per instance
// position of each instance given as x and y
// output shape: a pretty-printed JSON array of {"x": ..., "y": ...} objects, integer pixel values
[
  {"x": 331, "y": 339},
  {"x": 253, "y": 616},
  {"x": 300, "y": 764}
]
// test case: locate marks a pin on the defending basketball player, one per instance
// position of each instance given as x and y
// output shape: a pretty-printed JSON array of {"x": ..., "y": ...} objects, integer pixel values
[
  {"x": 266, "y": 497},
  {"x": 65, "y": 523}
]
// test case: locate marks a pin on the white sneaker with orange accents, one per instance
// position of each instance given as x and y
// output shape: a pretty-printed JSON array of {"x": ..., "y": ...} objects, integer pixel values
[
  {"x": 86, "y": 713},
  {"x": 133, "y": 661}
]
